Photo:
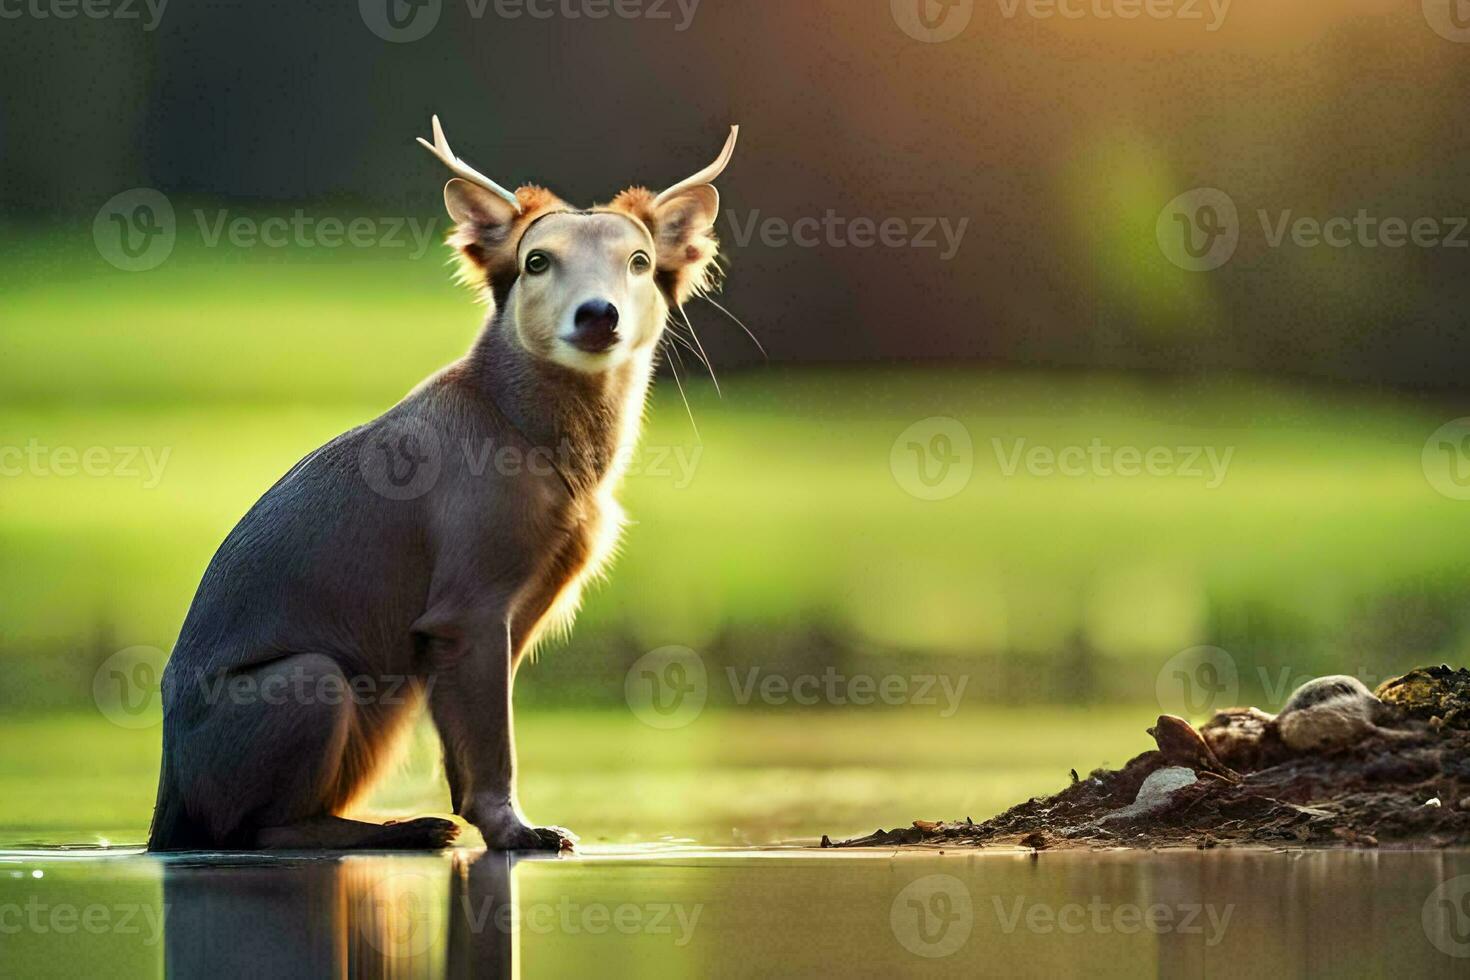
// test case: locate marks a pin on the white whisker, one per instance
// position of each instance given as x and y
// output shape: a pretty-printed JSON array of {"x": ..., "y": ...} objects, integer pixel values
[
  {"x": 742, "y": 326},
  {"x": 705, "y": 357},
  {"x": 680, "y": 385}
]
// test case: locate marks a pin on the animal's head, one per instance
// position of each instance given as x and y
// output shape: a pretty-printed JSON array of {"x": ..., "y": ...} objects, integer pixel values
[{"x": 586, "y": 289}]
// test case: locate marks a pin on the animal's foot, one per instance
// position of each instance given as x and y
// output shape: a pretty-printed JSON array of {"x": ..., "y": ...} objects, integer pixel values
[
  {"x": 339, "y": 834},
  {"x": 419, "y": 834},
  {"x": 507, "y": 832}
]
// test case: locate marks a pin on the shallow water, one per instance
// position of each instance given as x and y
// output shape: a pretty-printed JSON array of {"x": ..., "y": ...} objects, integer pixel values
[{"x": 655, "y": 911}]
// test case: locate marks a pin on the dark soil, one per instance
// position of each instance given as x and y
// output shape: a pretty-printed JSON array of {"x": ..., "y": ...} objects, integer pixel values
[{"x": 1407, "y": 786}]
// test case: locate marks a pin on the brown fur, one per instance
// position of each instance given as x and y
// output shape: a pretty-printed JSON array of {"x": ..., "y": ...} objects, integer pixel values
[
  {"x": 487, "y": 252},
  {"x": 331, "y": 576},
  {"x": 688, "y": 263}
]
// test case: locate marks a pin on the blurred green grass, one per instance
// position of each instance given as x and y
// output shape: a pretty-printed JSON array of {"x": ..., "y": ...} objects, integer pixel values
[
  {"x": 727, "y": 778},
  {"x": 1324, "y": 548},
  {"x": 776, "y": 537}
]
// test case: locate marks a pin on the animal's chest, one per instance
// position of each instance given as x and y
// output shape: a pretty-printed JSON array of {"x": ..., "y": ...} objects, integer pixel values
[{"x": 588, "y": 541}]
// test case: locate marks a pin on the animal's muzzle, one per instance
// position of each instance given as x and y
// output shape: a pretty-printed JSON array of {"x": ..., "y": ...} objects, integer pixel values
[{"x": 595, "y": 327}]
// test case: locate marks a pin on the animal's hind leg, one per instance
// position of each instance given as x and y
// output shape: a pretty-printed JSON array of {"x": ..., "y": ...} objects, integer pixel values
[
  {"x": 267, "y": 750},
  {"x": 274, "y": 760}
]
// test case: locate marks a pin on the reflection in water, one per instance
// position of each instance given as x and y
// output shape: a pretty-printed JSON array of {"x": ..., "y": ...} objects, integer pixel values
[
  {"x": 681, "y": 912},
  {"x": 360, "y": 916}
]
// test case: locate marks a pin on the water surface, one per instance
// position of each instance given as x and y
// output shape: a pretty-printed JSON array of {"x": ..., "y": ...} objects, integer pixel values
[{"x": 654, "y": 911}]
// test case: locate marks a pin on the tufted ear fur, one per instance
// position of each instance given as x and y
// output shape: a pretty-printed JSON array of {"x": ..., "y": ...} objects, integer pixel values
[
  {"x": 487, "y": 231},
  {"x": 683, "y": 234}
]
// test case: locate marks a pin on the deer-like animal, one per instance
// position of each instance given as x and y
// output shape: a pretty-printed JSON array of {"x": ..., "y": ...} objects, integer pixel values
[{"x": 418, "y": 558}]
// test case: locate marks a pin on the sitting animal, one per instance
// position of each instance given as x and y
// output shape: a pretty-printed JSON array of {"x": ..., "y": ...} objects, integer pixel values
[{"x": 418, "y": 557}]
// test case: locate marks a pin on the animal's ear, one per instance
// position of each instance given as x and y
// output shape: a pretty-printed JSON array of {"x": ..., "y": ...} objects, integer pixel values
[
  {"x": 471, "y": 205},
  {"x": 684, "y": 236},
  {"x": 482, "y": 226},
  {"x": 682, "y": 220}
]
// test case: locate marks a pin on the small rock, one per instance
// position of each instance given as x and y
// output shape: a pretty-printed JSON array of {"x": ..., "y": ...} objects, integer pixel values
[
  {"x": 1432, "y": 802},
  {"x": 1155, "y": 792}
]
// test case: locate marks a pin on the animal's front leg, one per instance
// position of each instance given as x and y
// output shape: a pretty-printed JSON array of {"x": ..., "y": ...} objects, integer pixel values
[{"x": 471, "y": 704}]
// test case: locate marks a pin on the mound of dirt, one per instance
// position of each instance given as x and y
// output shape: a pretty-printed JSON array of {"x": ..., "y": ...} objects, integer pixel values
[{"x": 1391, "y": 767}]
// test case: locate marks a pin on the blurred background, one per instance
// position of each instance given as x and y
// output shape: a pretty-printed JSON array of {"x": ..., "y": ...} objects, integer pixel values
[{"x": 1112, "y": 365}]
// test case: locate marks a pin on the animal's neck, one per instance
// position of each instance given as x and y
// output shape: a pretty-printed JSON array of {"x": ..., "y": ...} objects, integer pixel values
[{"x": 587, "y": 422}]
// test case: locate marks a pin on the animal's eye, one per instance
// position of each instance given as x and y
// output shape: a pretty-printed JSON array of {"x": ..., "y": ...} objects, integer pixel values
[
  {"x": 537, "y": 263},
  {"x": 640, "y": 262}
]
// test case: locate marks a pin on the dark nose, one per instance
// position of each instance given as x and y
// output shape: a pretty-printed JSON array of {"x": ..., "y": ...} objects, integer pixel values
[{"x": 595, "y": 327}]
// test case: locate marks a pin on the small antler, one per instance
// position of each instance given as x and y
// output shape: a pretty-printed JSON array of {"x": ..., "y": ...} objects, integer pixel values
[
  {"x": 708, "y": 174},
  {"x": 440, "y": 148}
]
